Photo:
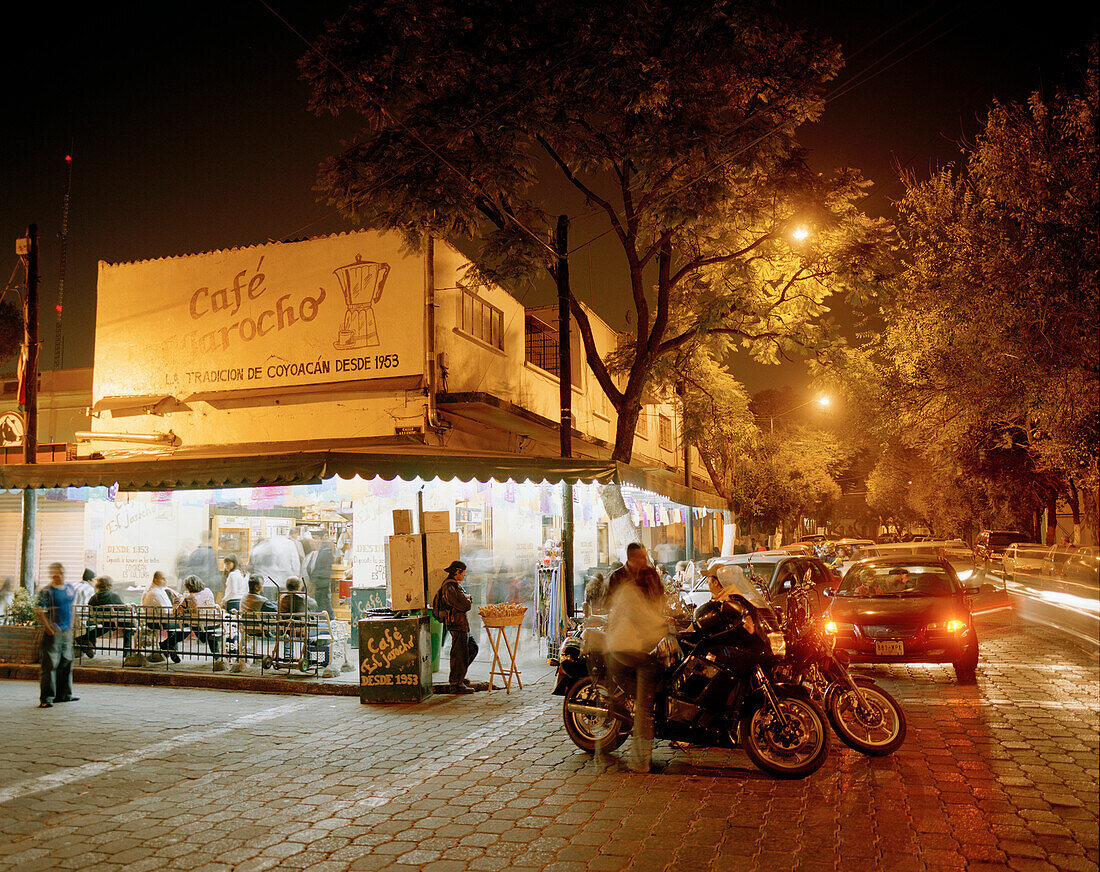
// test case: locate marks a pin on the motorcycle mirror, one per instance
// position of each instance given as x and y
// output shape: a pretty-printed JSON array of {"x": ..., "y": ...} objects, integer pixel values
[{"x": 829, "y": 591}]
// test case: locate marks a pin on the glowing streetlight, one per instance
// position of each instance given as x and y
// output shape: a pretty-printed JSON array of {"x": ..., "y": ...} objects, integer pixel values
[
  {"x": 798, "y": 234},
  {"x": 822, "y": 401}
]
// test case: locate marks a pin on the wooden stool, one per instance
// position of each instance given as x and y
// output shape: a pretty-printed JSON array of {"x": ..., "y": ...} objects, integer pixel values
[{"x": 496, "y": 627}]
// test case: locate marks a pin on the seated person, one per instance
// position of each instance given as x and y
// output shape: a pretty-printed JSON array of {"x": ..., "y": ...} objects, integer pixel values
[
  {"x": 158, "y": 601},
  {"x": 295, "y": 600},
  {"x": 254, "y": 600},
  {"x": 203, "y": 616},
  {"x": 106, "y": 613}
]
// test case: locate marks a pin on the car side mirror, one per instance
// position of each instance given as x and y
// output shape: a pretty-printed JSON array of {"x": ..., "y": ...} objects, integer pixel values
[
  {"x": 828, "y": 591},
  {"x": 972, "y": 589}
]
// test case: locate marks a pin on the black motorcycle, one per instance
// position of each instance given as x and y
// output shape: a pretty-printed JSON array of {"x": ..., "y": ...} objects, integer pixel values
[
  {"x": 866, "y": 717},
  {"x": 717, "y": 690}
]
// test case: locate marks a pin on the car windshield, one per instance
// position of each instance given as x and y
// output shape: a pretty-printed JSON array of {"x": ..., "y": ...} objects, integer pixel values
[
  {"x": 1000, "y": 540},
  {"x": 892, "y": 580}
]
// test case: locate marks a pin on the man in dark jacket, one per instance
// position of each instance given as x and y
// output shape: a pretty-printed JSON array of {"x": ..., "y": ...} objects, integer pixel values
[
  {"x": 636, "y": 560},
  {"x": 106, "y": 613},
  {"x": 320, "y": 574},
  {"x": 456, "y": 604}
]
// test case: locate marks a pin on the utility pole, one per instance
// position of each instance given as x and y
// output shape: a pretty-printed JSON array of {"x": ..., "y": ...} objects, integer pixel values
[
  {"x": 566, "y": 394},
  {"x": 59, "y": 336},
  {"x": 29, "y": 247}
]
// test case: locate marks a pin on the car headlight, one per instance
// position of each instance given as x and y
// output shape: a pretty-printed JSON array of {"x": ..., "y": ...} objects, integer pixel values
[
  {"x": 778, "y": 644},
  {"x": 952, "y": 626}
]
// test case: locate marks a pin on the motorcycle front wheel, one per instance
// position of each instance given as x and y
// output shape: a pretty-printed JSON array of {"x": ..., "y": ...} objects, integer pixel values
[
  {"x": 794, "y": 751},
  {"x": 876, "y": 727},
  {"x": 591, "y": 730}
]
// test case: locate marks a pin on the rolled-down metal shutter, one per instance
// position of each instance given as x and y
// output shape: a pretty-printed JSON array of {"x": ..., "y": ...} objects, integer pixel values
[
  {"x": 59, "y": 538},
  {"x": 11, "y": 530}
]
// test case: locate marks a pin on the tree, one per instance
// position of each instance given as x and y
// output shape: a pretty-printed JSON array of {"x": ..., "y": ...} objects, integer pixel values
[
  {"x": 767, "y": 479},
  {"x": 988, "y": 364},
  {"x": 672, "y": 123}
]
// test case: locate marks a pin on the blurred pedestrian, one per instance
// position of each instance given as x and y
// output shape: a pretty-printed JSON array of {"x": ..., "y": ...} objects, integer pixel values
[
  {"x": 54, "y": 611},
  {"x": 637, "y": 622},
  {"x": 636, "y": 560},
  {"x": 321, "y": 573}
]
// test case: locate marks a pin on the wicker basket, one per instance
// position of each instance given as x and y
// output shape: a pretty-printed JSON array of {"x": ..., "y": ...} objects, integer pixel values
[{"x": 497, "y": 620}]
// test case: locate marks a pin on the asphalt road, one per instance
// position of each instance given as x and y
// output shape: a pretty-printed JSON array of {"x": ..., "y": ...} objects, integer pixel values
[{"x": 1001, "y": 775}]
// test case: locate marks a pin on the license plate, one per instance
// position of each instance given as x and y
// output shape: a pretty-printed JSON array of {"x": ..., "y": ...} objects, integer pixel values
[{"x": 890, "y": 649}]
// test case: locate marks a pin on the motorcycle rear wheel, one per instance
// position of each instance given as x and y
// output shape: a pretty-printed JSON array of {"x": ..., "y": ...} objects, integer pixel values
[
  {"x": 590, "y": 732},
  {"x": 796, "y": 754},
  {"x": 877, "y": 728}
]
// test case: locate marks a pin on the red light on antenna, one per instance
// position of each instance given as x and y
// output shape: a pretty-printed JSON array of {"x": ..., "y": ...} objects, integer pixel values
[
  {"x": 58, "y": 307},
  {"x": 68, "y": 158}
]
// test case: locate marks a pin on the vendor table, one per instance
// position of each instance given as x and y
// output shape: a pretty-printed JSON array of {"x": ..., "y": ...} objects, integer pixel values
[{"x": 497, "y": 628}]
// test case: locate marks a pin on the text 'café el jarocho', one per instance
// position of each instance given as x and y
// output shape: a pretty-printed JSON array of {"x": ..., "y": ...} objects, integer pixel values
[{"x": 318, "y": 385}]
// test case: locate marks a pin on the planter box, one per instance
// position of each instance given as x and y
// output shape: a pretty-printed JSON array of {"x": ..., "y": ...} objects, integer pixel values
[{"x": 20, "y": 644}]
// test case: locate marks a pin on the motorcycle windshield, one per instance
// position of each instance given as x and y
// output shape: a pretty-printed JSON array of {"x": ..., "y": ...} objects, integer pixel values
[{"x": 734, "y": 581}]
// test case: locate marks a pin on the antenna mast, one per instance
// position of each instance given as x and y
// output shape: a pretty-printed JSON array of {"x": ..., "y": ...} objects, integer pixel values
[{"x": 58, "y": 338}]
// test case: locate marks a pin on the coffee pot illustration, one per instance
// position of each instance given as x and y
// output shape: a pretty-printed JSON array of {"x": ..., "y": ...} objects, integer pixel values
[{"x": 362, "y": 283}]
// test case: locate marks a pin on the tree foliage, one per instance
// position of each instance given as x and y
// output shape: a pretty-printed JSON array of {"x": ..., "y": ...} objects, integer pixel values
[
  {"x": 673, "y": 124},
  {"x": 987, "y": 366},
  {"x": 767, "y": 479}
]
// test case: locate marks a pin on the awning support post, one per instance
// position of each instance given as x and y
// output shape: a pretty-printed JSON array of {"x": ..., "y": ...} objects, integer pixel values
[{"x": 565, "y": 384}]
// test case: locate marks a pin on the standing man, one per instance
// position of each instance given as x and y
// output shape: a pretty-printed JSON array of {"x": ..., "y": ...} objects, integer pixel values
[
  {"x": 455, "y": 603},
  {"x": 636, "y": 560},
  {"x": 320, "y": 573},
  {"x": 54, "y": 611}
]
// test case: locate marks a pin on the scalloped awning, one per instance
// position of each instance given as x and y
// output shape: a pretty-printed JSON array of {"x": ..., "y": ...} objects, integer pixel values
[{"x": 189, "y": 473}]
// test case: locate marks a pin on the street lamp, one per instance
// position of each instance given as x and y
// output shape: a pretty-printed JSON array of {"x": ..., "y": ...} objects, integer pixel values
[
  {"x": 822, "y": 401},
  {"x": 799, "y": 233}
]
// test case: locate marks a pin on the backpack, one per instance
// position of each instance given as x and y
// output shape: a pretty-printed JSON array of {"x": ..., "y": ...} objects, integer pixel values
[{"x": 440, "y": 610}]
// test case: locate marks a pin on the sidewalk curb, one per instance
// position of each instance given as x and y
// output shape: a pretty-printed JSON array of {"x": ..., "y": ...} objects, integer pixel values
[{"x": 164, "y": 678}]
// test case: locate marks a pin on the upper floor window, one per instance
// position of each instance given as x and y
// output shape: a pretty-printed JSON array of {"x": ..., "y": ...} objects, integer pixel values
[
  {"x": 664, "y": 436},
  {"x": 481, "y": 320},
  {"x": 541, "y": 346},
  {"x": 641, "y": 430}
]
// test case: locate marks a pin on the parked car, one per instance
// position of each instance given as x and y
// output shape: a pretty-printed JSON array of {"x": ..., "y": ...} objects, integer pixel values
[
  {"x": 905, "y": 609},
  {"x": 989, "y": 547},
  {"x": 779, "y": 570}
]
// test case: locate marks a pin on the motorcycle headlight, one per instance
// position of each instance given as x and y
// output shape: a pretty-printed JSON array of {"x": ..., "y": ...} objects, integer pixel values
[{"x": 778, "y": 644}]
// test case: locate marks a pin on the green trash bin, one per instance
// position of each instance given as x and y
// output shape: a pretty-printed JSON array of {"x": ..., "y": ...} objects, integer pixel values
[
  {"x": 437, "y": 642},
  {"x": 362, "y": 599},
  {"x": 395, "y": 659}
]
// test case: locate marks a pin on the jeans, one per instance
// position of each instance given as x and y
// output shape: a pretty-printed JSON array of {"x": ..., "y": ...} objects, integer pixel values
[
  {"x": 638, "y": 672},
  {"x": 57, "y": 666},
  {"x": 95, "y": 632}
]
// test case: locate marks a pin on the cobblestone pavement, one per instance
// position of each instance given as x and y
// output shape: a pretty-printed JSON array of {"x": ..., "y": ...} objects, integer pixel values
[{"x": 994, "y": 776}]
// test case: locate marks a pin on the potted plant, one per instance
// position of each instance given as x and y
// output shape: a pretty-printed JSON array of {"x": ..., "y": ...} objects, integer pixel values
[{"x": 20, "y": 635}]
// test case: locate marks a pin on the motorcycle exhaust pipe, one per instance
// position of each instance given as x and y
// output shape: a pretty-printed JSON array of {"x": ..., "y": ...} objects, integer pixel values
[{"x": 581, "y": 709}]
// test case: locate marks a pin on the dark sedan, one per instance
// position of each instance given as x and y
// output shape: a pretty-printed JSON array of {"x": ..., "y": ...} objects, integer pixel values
[{"x": 905, "y": 609}]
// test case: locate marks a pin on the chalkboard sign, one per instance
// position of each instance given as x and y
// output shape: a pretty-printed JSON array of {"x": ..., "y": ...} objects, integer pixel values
[
  {"x": 395, "y": 659},
  {"x": 361, "y": 600}
]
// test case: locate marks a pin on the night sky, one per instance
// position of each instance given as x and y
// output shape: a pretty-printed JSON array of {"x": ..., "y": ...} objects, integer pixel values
[{"x": 189, "y": 132}]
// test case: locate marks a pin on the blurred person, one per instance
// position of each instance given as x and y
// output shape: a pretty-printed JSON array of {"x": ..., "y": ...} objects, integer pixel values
[
  {"x": 636, "y": 560},
  {"x": 7, "y": 594},
  {"x": 321, "y": 573},
  {"x": 637, "y": 622},
  {"x": 203, "y": 563},
  {"x": 275, "y": 558},
  {"x": 54, "y": 611}
]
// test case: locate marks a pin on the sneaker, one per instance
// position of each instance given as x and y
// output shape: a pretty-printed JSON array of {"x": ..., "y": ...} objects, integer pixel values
[
  {"x": 45, "y": 705},
  {"x": 237, "y": 666},
  {"x": 461, "y": 688},
  {"x": 67, "y": 699},
  {"x": 176, "y": 657},
  {"x": 219, "y": 666},
  {"x": 155, "y": 658}
]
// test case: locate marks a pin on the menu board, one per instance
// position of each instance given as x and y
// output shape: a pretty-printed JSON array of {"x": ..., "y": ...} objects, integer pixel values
[{"x": 395, "y": 657}]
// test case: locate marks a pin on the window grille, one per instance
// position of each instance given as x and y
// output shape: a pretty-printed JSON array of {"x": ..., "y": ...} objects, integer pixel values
[
  {"x": 541, "y": 348},
  {"x": 665, "y": 433}
]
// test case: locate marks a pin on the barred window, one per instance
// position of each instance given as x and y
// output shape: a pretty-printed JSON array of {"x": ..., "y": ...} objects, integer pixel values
[
  {"x": 481, "y": 320},
  {"x": 541, "y": 347},
  {"x": 664, "y": 437},
  {"x": 641, "y": 430}
]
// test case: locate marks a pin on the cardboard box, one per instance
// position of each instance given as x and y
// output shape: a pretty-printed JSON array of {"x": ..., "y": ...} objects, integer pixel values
[
  {"x": 405, "y": 572},
  {"x": 402, "y": 522},
  {"x": 436, "y": 522},
  {"x": 442, "y": 548}
]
